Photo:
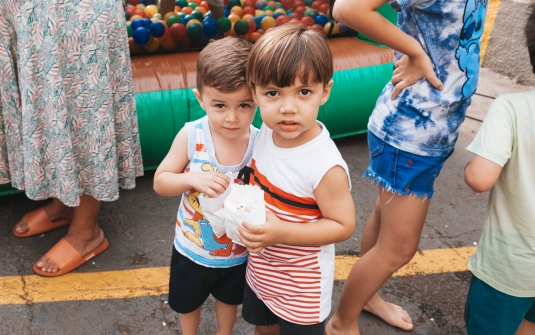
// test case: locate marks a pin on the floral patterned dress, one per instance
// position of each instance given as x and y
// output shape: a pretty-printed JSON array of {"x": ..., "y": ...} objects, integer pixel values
[{"x": 68, "y": 123}]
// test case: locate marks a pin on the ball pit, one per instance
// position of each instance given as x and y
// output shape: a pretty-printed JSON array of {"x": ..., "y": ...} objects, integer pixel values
[{"x": 248, "y": 19}]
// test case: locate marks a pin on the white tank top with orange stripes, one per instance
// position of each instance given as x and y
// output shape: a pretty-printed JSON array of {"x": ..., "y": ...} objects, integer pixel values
[
  {"x": 294, "y": 282},
  {"x": 194, "y": 237}
]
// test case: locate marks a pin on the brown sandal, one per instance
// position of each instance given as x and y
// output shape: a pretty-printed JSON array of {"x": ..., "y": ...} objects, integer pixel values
[{"x": 39, "y": 222}]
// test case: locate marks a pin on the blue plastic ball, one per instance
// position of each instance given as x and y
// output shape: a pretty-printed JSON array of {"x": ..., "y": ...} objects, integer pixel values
[
  {"x": 321, "y": 20},
  {"x": 210, "y": 28},
  {"x": 157, "y": 29},
  {"x": 261, "y": 16},
  {"x": 147, "y": 22},
  {"x": 137, "y": 23},
  {"x": 276, "y": 15},
  {"x": 227, "y": 13},
  {"x": 258, "y": 22},
  {"x": 261, "y": 5},
  {"x": 141, "y": 36}
]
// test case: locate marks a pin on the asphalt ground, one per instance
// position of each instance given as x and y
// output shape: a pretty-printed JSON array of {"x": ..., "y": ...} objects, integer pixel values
[{"x": 140, "y": 228}]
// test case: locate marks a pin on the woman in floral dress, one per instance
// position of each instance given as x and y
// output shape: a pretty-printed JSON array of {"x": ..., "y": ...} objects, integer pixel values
[{"x": 68, "y": 125}]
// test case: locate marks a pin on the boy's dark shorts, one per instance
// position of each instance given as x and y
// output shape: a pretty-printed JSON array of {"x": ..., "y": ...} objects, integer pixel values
[
  {"x": 190, "y": 284},
  {"x": 255, "y": 312},
  {"x": 489, "y": 311}
]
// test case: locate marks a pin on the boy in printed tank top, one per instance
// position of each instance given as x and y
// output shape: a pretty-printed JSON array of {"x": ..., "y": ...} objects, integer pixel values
[
  {"x": 203, "y": 152},
  {"x": 290, "y": 270}
]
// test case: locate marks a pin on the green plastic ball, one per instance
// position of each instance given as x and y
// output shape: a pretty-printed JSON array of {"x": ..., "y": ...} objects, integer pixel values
[
  {"x": 241, "y": 27},
  {"x": 224, "y": 24},
  {"x": 129, "y": 31},
  {"x": 268, "y": 8},
  {"x": 181, "y": 3},
  {"x": 193, "y": 5},
  {"x": 195, "y": 32},
  {"x": 172, "y": 20},
  {"x": 233, "y": 3},
  {"x": 309, "y": 11},
  {"x": 126, "y": 16},
  {"x": 198, "y": 15}
]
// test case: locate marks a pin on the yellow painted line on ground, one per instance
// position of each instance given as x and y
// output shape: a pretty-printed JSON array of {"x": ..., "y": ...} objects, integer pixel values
[
  {"x": 154, "y": 281},
  {"x": 492, "y": 11}
]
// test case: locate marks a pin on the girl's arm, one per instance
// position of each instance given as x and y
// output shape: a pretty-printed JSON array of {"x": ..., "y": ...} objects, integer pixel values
[
  {"x": 169, "y": 179},
  {"x": 362, "y": 16},
  {"x": 338, "y": 222}
]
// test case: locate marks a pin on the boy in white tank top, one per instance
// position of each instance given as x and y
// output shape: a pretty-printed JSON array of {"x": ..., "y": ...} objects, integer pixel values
[
  {"x": 306, "y": 184},
  {"x": 202, "y": 153}
]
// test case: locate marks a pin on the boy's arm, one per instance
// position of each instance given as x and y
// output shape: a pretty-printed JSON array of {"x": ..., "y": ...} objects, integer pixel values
[
  {"x": 169, "y": 179},
  {"x": 481, "y": 174},
  {"x": 362, "y": 16},
  {"x": 338, "y": 222}
]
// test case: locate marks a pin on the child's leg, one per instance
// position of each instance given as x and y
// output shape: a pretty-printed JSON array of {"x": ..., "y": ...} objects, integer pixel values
[
  {"x": 267, "y": 330},
  {"x": 226, "y": 315},
  {"x": 190, "y": 321},
  {"x": 401, "y": 223},
  {"x": 526, "y": 328}
]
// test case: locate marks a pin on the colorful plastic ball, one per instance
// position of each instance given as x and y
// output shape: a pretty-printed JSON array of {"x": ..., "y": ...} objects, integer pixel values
[
  {"x": 268, "y": 22},
  {"x": 172, "y": 20},
  {"x": 289, "y": 11},
  {"x": 253, "y": 37},
  {"x": 272, "y": 3},
  {"x": 234, "y": 3},
  {"x": 178, "y": 31},
  {"x": 204, "y": 4},
  {"x": 279, "y": 5},
  {"x": 237, "y": 10},
  {"x": 268, "y": 8},
  {"x": 295, "y": 16},
  {"x": 192, "y": 22},
  {"x": 134, "y": 47},
  {"x": 307, "y": 21},
  {"x": 140, "y": 12},
  {"x": 252, "y": 26},
  {"x": 258, "y": 22},
  {"x": 198, "y": 15},
  {"x": 201, "y": 9},
  {"x": 276, "y": 15},
  {"x": 181, "y": 3},
  {"x": 137, "y": 23},
  {"x": 280, "y": 10},
  {"x": 321, "y": 19},
  {"x": 234, "y": 18},
  {"x": 247, "y": 16},
  {"x": 133, "y": 2},
  {"x": 130, "y": 10},
  {"x": 210, "y": 28},
  {"x": 140, "y": 6},
  {"x": 153, "y": 45},
  {"x": 157, "y": 29},
  {"x": 151, "y": 10},
  {"x": 315, "y": 5},
  {"x": 187, "y": 10},
  {"x": 241, "y": 27},
  {"x": 126, "y": 16},
  {"x": 249, "y": 10},
  {"x": 317, "y": 28},
  {"x": 158, "y": 16},
  {"x": 311, "y": 12},
  {"x": 231, "y": 32},
  {"x": 193, "y": 5},
  {"x": 268, "y": 12},
  {"x": 135, "y": 17},
  {"x": 147, "y": 22},
  {"x": 185, "y": 43},
  {"x": 261, "y": 16},
  {"x": 141, "y": 35},
  {"x": 298, "y": 3},
  {"x": 300, "y": 10},
  {"x": 281, "y": 20},
  {"x": 224, "y": 24},
  {"x": 249, "y": 3},
  {"x": 260, "y": 5},
  {"x": 226, "y": 12},
  {"x": 324, "y": 8},
  {"x": 129, "y": 31},
  {"x": 327, "y": 27},
  {"x": 168, "y": 43},
  {"x": 287, "y": 4}
]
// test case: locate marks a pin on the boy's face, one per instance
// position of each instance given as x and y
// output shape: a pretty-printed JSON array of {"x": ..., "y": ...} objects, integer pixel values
[
  {"x": 291, "y": 111},
  {"x": 230, "y": 114}
]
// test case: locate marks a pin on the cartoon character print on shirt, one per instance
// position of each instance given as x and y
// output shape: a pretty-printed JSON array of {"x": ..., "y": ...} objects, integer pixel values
[
  {"x": 201, "y": 232},
  {"x": 468, "y": 51}
]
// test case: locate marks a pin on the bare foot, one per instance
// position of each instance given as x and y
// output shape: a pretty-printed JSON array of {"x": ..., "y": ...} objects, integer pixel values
[
  {"x": 332, "y": 329},
  {"x": 55, "y": 210},
  {"x": 83, "y": 246},
  {"x": 392, "y": 314}
]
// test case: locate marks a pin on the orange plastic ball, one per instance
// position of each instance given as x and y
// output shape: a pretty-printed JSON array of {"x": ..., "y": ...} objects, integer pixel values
[
  {"x": 307, "y": 21},
  {"x": 140, "y": 6},
  {"x": 151, "y": 10},
  {"x": 187, "y": 10},
  {"x": 253, "y": 37},
  {"x": 140, "y": 12},
  {"x": 205, "y": 5},
  {"x": 168, "y": 43},
  {"x": 249, "y": 10}
]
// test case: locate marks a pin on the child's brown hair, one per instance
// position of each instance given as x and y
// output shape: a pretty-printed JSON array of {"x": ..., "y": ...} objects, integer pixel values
[
  {"x": 530, "y": 36},
  {"x": 284, "y": 53},
  {"x": 221, "y": 64}
]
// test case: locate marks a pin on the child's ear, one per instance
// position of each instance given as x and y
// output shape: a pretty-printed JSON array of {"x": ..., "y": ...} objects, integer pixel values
[
  {"x": 199, "y": 97},
  {"x": 326, "y": 92}
]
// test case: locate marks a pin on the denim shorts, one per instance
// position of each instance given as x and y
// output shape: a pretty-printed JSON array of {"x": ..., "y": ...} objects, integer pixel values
[
  {"x": 401, "y": 172},
  {"x": 489, "y": 311}
]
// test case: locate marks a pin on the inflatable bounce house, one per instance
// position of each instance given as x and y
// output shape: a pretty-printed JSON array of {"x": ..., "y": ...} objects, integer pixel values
[{"x": 164, "y": 50}]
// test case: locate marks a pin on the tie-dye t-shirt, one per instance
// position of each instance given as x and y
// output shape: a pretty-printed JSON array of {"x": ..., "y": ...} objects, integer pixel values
[{"x": 423, "y": 120}]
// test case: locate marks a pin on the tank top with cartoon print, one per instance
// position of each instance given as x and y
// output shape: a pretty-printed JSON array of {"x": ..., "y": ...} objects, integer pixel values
[{"x": 194, "y": 237}]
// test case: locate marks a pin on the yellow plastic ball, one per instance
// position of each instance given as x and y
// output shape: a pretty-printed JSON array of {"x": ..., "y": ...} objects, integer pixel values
[
  {"x": 268, "y": 12},
  {"x": 258, "y": 12},
  {"x": 140, "y": 6},
  {"x": 267, "y": 22},
  {"x": 242, "y": 2},
  {"x": 247, "y": 16},
  {"x": 168, "y": 15},
  {"x": 201, "y": 9},
  {"x": 231, "y": 32},
  {"x": 237, "y": 9},
  {"x": 327, "y": 27},
  {"x": 153, "y": 44},
  {"x": 136, "y": 17},
  {"x": 234, "y": 18},
  {"x": 193, "y": 21},
  {"x": 151, "y": 10},
  {"x": 155, "y": 19},
  {"x": 280, "y": 10}
]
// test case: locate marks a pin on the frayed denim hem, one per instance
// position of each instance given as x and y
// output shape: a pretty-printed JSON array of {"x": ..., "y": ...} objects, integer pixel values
[{"x": 386, "y": 186}]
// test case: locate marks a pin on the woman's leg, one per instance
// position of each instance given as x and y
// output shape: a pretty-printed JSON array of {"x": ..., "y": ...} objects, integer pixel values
[
  {"x": 55, "y": 210},
  {"x": 84, "y": 232},
  {"x": 401, "y": 220},
  {"x": 526, "y": 328}
]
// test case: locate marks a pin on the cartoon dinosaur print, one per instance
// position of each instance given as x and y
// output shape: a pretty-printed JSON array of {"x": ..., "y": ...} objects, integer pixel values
[
  {"x": 468, "y": 51},
  {"x": 195, "y": 237}
]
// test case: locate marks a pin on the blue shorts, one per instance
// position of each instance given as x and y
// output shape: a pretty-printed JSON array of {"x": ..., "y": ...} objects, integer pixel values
[
  {"x": 489, "y": 311},
  {"x": 401, "y": 172}
]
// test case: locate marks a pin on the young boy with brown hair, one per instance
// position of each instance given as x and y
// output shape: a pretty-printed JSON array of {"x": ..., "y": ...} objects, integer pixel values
[
  {"x": 501, "y": 298},
  {"x": 306, "y": 184},
  {"x": 201, "y": 154}
]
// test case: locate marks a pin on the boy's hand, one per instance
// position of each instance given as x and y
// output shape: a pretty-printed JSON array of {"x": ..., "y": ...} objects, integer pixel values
[
  {"x": 411, "y": 69},
  {"x": 257, "y": 237},
  {"x": 211, "y": 184}
]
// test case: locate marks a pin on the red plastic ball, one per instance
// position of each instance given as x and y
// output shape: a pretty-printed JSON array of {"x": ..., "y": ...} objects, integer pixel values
[
  {"x": 134, "y": 47},
  {"x": 134, "y": 2},
  {"x": 298, "y": 3},
  {"x": 252, "y": 26},
  {"x": 205, "y": 5},
  {"x": 249, "y": 10},
  {"x": 140, "y": 12},
  {"x": 300, "y": 10},
  {"x": 254, "y": 36},
  {"x": 307, "y": 21},
  {"x": 249, "y": 3},
  {"x": 130, "y": 10},
  {"x": 318, "y": 28},
  {"x": 287, "y": 4},
  {"x": 184, "y": 43},
  {"x": 295, "y": 15},
  {"x": 178, "y": 31},
  {"x": 315, "y": 5},
  {"x": 323, "y": 8},
  {"x": 281, "y": 20}
]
